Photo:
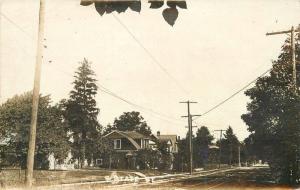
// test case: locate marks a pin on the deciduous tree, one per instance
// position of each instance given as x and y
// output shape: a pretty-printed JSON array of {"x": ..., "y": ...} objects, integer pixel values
[
  {"x": 273, "y": 117},
  {"x": 130, "y": 121},
  {"x": 15, "y": 116}
]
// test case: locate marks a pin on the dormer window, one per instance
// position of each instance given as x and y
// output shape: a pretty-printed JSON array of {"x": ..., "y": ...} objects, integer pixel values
[{"x": 117, "y": 143}]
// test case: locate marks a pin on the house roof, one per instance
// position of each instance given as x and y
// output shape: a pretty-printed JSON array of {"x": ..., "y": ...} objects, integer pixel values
[
  {"x": 172, "y": 138},
  {"x": 130, "y": 135},
  {"x": 134, "y": 134}
]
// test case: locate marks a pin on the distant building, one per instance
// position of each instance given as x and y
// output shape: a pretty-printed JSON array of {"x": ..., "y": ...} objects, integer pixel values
[
  {"x": 125, "y": 144},
  {"x": 172, "y": 143},
  {"x": 128, "y": 141},
  {"x": 171, "y": 140}
]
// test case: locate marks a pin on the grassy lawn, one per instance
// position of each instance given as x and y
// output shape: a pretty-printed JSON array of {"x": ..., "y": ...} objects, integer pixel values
[
  {"x": 45, "y": 177},
  {"x": 16, "y": 177}
]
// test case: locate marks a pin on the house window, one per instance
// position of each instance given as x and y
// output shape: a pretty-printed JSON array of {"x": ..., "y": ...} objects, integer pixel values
[
  {"x": 99, "y": 162},
  {"x": 117, "y": 144}
]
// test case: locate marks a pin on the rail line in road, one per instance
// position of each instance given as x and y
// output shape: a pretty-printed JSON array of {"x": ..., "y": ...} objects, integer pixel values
[
  {"x": 138, "y": 182},
  {"x": 175, "y": 179}
]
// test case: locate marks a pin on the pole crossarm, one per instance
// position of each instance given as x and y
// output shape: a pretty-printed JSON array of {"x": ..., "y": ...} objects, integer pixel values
[
  {"x": 281, "y": 32},
  {"x": 188, "y": 102},
  {"x": 293, "y": 51},
  {"x": 191, "y": 116}
]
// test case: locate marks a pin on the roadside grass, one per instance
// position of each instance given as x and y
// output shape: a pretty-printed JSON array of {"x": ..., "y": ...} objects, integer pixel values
[{"x": 16, "y": 178}]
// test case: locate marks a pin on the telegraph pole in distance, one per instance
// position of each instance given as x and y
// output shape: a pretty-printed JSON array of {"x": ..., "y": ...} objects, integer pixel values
[
  {"x": 190, "y": 126},
  {"x": 239, "y": 150},
  {"x": 292, "y": 33},
  {"x": 35, "y": 96},
  {"x": 220, "y": 149}
]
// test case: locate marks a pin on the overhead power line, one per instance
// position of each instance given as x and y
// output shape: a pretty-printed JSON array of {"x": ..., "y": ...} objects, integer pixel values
[
  {"x": 129, "y": 32},
  {"x": 151, "y": 55},
  {"x": 16, "y": 25},
  {"x": 160, "y": 66},
  {"x": 233, "y": 95},
  {"x": 156, "y": 114},
  {"x": 104, "y": 89},
  {"x": 148, "y": 110}
]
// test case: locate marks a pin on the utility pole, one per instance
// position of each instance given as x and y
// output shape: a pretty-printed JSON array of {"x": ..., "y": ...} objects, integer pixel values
[
  {"x": 35, "y": 96},
  {"x": 239, "y": 150},
  {"x": 220, "y": 149},
  {"x": 293, "y": 51},
  {"x": 190, "y": 126}
]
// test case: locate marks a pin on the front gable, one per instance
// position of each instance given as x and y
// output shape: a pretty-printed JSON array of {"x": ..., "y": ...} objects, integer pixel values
[{"x": 126, "y": 142}]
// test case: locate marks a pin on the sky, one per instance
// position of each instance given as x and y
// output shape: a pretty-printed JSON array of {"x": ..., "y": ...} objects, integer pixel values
[{"x": 214, "y": 49}]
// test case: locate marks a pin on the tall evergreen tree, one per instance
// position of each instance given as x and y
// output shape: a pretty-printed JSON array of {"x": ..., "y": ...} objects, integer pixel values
[
  {"x": 229, "y": 147},
  {"x": 81, "y": 113},
  {"x": 201, "y": 146},
  {"x": 273, "y": 117}
]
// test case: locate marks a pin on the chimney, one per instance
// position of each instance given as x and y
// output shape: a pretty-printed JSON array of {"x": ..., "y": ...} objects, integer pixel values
[
  {"x": 178, "y": 138},
  {"x": 158, "y": 133}
]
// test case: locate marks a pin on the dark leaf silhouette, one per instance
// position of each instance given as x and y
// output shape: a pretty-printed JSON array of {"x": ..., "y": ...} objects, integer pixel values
[
  {"x": 100, "y": 8},
  {"x": 135, "y": 6},
  {"x": 155, "y": 4},
  {"x": 170, "y": 15},
  {"x": 119, "y": 7},
  {"x": 86, "y": 2},
  {"x": 106, "y": 7},
  {"x": 180, "y": 4}
]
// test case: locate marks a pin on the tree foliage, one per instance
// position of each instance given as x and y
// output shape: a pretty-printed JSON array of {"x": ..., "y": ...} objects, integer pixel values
[
  {"x": 15, "y": 117},
  {"x": 201, "y": 146},
  {"x": 181, "y": 160},
  {"x": 273, "y": 117},
  {"x": 170, "y": 13},
  {"x": 81, "y": 113},
  {"x": 148, "y": 159},
  {"x": 166, "y": 158},
  {"x": 131, "y": 121},
  {"x": 229, "y": 147}
]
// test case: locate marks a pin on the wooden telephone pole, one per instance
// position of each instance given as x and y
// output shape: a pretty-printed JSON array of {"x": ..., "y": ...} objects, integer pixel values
[
  {"x": 239, "y": 156},
  {"x": 292, "y": 32},
  {"x": 220, "y": 149},
  {"x": 35, "y": 96},
  {"x": 190, "y": 126}
]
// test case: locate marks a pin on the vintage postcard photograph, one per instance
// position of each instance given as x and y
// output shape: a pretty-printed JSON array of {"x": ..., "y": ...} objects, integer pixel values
[{"x": 149, "y": 94}]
